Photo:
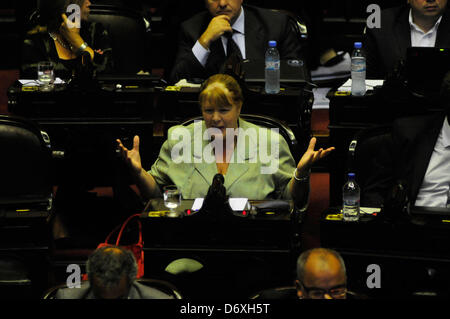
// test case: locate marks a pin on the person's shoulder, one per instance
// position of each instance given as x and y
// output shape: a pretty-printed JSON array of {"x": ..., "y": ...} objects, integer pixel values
[
  {"x": 272, "y": 15},
  {"x": 390, "y": 17},
  {"x": 412, "y": 127},
  {"x": 419, "y": 120},
  {"x": 180, "y": 129},
  {"x": 395, "y": 13},
  {"x": 446, "y": 17},
  {"x": 272, "y": 132},
  {"x": 196, "y": 20},
  {"x": 73, "y": 293},
  {"x": 146, "y": 292}
]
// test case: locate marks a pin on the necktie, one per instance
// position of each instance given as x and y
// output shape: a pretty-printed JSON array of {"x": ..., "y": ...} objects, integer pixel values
[{"x": 232, "y": 47}]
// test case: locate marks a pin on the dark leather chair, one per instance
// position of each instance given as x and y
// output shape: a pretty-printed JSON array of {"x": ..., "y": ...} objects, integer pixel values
[
  {"x": 369, "y": 155},
  {"x": 15, "y": 277},
  {"x": 283, "y": 292},
  {"x": 162, "y": 285},
  {"x": 269, "y": 122},
  {"x": 26, "y": 203},
  {"x": 25, "y": 164},
  {"x": 298, "y": 25},
  {"x": 290, "y": 292},
  {"x": 127, "y": 31}
]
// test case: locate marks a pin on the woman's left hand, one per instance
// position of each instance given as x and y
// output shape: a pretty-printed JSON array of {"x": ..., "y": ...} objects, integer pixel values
[{"x": 310, "y": 157}]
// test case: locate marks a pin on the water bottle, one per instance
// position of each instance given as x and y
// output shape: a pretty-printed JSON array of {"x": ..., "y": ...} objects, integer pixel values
[
  {"x": 358, "y": 71},
  {"x": 350, "y": 198},
  {"x": 272, "y": 74}
]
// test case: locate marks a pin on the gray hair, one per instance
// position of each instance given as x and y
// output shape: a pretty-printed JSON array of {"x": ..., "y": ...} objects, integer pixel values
[
  {"x": 108, "y": 267},
  {"x": 323, "y": 253}
]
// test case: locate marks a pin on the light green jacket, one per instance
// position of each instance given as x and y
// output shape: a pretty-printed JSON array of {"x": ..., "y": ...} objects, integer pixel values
[{"x": 186, "y": 161}]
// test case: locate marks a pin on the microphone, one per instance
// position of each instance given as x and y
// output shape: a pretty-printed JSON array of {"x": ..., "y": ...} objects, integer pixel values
[
  {"x": 217, "y": 186},
  {"x": 83, "y": 76},
  {"x": 216, "y": 204},
  {"x": 396, "y": 201}
]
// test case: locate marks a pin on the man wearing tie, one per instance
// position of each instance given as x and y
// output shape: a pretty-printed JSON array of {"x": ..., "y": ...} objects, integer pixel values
[{"x": 227, "y": 28}]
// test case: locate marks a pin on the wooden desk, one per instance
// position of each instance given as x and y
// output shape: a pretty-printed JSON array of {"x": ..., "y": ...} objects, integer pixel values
[
  {"x": 239, "y": 249},
  {"x": 412, "y": 256}
]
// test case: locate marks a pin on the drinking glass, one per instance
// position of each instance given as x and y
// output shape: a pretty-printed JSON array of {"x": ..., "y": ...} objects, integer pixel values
[
  {"x": 46, "y": 75},
  {"x": 172, "y": 199}
]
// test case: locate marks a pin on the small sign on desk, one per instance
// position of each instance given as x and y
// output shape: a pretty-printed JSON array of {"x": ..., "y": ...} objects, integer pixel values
[
  {"x": 236, "y": 204},
  {"x": 370, "y": 84},
  {"x": 363, "y": 211}
]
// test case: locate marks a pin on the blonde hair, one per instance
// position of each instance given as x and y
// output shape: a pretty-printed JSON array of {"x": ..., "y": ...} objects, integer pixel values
[{"x": 213, "y": 90}]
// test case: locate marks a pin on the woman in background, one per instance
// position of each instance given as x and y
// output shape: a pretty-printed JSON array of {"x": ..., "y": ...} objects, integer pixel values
[{"x": 56, "y": 41}]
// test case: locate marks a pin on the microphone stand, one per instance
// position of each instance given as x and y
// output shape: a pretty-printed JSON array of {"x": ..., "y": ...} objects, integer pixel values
[{"x": 215, "y": 205}]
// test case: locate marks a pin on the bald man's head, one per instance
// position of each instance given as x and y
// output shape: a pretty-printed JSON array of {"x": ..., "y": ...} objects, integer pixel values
[{"x": 321, "y": 273}]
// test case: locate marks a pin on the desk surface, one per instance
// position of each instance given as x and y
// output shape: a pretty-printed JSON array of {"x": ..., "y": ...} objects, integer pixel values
[
  {"x": 410, "y": 256},
  {"x": 265, "y": 231},
  {"x": 156, "y": 103},
  {"x": 418, "y": 236}
]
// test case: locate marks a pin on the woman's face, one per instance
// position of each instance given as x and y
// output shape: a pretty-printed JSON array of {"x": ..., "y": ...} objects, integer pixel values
[
  {"x": 85, "y": 10},
  {"x": 221, "y": 116}
]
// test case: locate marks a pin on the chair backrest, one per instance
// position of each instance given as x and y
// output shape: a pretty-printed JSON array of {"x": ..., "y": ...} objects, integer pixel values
[
  {"x": 51, "y": 292},
  {"x": 269, "y": 122},
  {"x": 290, "y": 292},
  {"x": 25, "y": 164},
  {"x": 162, "y": 285},
  {"x": 285, "y": 292},
  {"x": 127, "y": 31},
  {"x": 298, "y": 25},
  {"x": 368, "y": 156}
]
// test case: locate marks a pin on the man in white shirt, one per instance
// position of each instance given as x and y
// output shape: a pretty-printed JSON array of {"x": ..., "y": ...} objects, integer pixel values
[
  {"x": 423, "y": 23},
  {"x": 420, "y": 158},
  {"x": 204, "y": 41},
  {"x": 434, "y": 190}
]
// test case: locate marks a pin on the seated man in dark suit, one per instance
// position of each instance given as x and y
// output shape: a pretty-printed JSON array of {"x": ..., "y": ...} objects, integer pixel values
[
  {"x": 112, "y": 275},
  {"x": 204, "y": 42},
  {"x": 422, "y": 23},
  {"x": 420, "y": 157}
]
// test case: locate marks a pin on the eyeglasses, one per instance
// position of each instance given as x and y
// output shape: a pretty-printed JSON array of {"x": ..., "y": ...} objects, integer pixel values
[{"x": 336, "y": 292}]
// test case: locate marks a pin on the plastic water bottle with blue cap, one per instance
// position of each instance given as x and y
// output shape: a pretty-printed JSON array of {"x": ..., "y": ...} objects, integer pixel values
[
  {"x": 351, "y": 199},
  {"x": 358, "y": 70},
  {"x": 272, "y": 72}
]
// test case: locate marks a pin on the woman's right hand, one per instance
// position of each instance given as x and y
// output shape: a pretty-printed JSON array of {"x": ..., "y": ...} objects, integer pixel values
[
  {"x": 70, "y": 33},
  {"x": 131, "y": 157}
]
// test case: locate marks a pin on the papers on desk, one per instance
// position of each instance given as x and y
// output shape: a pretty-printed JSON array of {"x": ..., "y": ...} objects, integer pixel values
[
  {"x": 320, "y": 98},
  {"x": 362, "y": 212},
  {"x": 335, "y": 72},
  {"x": 185, "y": 83},
  {"x": 236, "y": 204},
  {"x": 370, "y": 84},
  {"x": 33, "y": 82},
  {"x": 369, "y": 210}
]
